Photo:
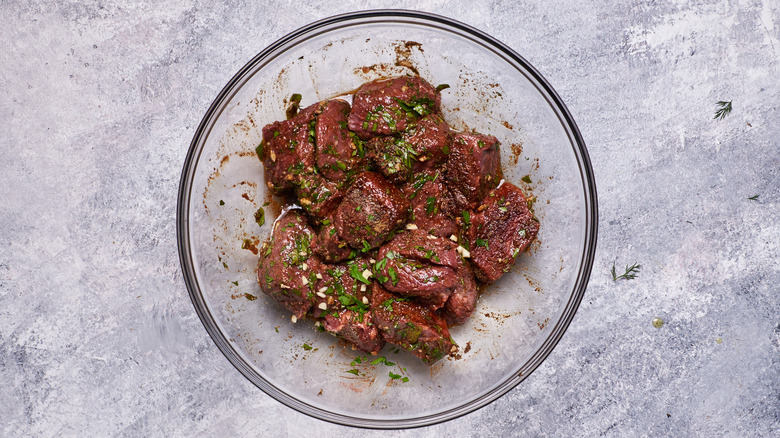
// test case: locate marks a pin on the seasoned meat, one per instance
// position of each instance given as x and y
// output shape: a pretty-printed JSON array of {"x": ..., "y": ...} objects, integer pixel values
[
  {"x": 288, "y": 150},
  {"x": 328, "y": 245},
  {"x": 338, "y": 286},
  {"x": 499, "y": 230},
  {"x": 423, "y": 146},
  {"x": 371, "y": 210},
  {"x": 401, "y": 219},
  {"x": 341, "y": 303},
  {"x": 473, "y": 168},
  {"x": 419, "y": 265},
  {"x": 431, "y": 204},
  {"x": 431, "y": 138},
  {"x": 316, "y": 195},
  {"x": 387, "y": 106},
  {"x": 339, "y": 153},
  {"x": 463, "y": 300},
  {"x": 411, "y": 326},
  {"x": 286, "y": 261},
  {"x": 359, "y": 329}
]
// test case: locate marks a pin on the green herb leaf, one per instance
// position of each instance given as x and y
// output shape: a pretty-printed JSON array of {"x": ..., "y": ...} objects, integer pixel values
[
  {"x": 466, "y": 217},
  {"x": 354, "y": 371},
  {"x": 526, "y": 179},
  {"x": 481, "y": 242},
  {"x": 630, "y": 274},
  {"x": 355, "y": 272},
  {"x": 394, "y": 376},
  {"x": 442, "y": 87},
  {"x": 753, "y": 198},
  {"x": 235, "y": 282},
  {"x": 260, "y": 216},
  {"x": 723, "y": 111},
  {"x": 259, "y": 151},
  {"x": 393, "y": 275},
  {"x": 430, "y": 205},
  {"x": 306, "y": 347}
]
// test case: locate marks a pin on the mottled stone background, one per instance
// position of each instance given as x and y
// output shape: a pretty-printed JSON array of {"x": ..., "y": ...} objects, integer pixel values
[{"x": 100, "y": 99}]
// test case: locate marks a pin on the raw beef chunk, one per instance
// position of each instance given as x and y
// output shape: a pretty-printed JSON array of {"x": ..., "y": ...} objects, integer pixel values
[
  {"x": 388, "y": 106},
  {"x": 423, "y": 146},
  {"x": 329, "y": 245},
  {"x": 411, "y": 326},
  {"x": 419, "y": 265},
  {"x": 287, "y": 150},
  {"x": 473, "y": 168},
  {"x": 339, "y": 153},
  {"x": 341, "y": 303},
  {"x": 463, "y": 299},
  {"x": 500, "y": 229},
  {"x": 431, "y": 204},
  {"x": 286, "y": 261},
  {"x": 318, "y": 196},
  {"x": 371, "y": 210}
]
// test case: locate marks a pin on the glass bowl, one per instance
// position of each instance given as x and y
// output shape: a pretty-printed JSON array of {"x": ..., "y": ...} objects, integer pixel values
[{"x": 518, "y": 320}]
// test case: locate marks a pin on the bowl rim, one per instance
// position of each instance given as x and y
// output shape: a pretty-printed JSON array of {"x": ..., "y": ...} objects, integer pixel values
[{"x": 557, "y": 331}]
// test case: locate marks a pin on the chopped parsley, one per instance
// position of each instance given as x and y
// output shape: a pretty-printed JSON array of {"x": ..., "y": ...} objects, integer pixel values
[
  {"x": 357, "y": 274},
  {"x": 306, "y": 347},
  {"x": 354, "y": 371},
  {"x": 259, "y": 151},
  {"x": 381, "y": 359},
  {"x": 398, "y": 376},
  {"x": 526, "y": 179},
  {"x": 260, "y": 216},
  {"x": 482, "y": 242},
  {"x": 393, "y": 275},
  {"x": 430, "y": 205}
]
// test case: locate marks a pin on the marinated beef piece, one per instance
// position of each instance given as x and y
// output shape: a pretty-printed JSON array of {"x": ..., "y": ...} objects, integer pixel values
[
  {"x": 499, "y": 230},
  {"x": 463, "y": 299},
  {"x": 329, "y": 245},
  {"x": 316, "y": 195},
  {"x": 341, "y": 303},
  {"x": 288, "y": 150},
  {"x": 432, "y": 204},
  {"x": 473, "y": 168},
  {"x": 358, "y": 329},
  {"x": 411, "y": 326},
  {"x": 431, "y": 138},
  {"x": 339, "y": 153},
  {"x": 371, "y": 210},
  {"x": 418, "y": 265},
  {"x": 424, "y": 145},
  {"x": 387, "y": 106},
  {"x": 286, "y": 261},
  {"x": 339, "y": 286}
]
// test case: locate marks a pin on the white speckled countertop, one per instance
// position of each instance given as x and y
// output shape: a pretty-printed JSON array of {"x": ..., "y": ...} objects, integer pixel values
[{"x": 99, "y": 101}]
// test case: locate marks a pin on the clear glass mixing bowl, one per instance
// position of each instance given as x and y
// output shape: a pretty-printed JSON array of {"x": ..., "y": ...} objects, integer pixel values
[{"x": 518, "y": 320}]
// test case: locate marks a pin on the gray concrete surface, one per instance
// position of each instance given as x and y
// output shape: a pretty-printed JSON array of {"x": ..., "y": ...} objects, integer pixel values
[{"x": 99, "y": 101}]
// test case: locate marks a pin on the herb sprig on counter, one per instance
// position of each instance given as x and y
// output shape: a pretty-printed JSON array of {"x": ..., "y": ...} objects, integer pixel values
[
  {"x": 723, "y": 111},
  {"x": 630, "y": 274}
]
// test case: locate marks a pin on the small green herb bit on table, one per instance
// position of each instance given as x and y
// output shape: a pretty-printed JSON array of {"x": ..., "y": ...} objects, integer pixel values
[
  {"x": 630, "y": 274},
  {"x": 724, "y": 110}
]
